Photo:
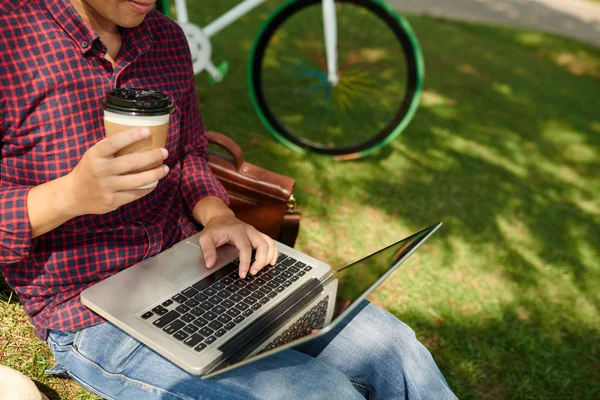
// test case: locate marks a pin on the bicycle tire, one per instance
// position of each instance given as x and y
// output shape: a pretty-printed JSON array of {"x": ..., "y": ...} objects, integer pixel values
[{"x": 406, "y": 107}]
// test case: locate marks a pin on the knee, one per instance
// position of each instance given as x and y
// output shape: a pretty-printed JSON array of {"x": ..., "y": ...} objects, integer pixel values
[{"x": 15, "y": 385}]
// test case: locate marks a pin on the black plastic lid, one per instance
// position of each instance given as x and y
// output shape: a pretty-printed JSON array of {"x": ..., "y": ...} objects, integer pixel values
[{"x": 137, "y": 102}]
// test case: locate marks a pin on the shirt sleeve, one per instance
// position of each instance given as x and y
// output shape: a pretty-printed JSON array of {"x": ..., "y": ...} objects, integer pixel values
[
  {"x": 197, "y": 181},
  {"x": 15, "y": 228}
]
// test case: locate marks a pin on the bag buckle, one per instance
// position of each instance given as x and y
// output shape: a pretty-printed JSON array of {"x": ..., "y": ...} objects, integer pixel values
[{"x": 291, "y": 204}]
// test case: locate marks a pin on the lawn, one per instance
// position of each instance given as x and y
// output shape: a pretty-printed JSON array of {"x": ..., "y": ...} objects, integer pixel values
[{"x": 505, "y": 150}]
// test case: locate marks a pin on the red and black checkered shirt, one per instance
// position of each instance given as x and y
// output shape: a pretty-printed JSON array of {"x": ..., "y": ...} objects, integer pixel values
[{"x": 53, "y": 76}]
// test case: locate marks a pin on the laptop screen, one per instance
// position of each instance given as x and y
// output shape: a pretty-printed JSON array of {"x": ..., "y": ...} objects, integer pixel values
[{"x": 358, "y": 279}]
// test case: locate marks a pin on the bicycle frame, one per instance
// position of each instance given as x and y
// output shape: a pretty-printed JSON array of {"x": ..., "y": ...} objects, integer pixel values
[{"x": 201, "y": 36}]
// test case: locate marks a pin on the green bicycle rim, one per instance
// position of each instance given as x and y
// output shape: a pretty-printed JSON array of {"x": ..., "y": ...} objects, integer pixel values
[{"x": 409, "y": 114}]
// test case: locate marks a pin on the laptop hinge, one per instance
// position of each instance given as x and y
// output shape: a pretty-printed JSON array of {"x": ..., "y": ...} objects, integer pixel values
[{"x": 249, "y": 339}]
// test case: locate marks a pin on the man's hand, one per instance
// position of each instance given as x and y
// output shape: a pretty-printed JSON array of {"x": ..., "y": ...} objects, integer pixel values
[
  {"x": 102, "y": 182},
  {"x": 227, "y": 228}
]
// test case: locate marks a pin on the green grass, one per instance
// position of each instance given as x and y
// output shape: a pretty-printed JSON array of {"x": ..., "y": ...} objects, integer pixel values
[{"x": 505, "y": 151}]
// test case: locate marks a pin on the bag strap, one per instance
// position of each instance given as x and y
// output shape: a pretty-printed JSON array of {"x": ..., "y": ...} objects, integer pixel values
[
  {"x": 229, "y": 145},
  {"x": 289, "y": 229}
]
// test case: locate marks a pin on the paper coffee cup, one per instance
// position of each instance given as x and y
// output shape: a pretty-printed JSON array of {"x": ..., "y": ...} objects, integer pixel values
[{"x": 126, "y": 108}]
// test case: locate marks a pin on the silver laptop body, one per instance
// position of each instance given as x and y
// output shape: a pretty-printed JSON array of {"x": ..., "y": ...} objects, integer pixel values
[{"x": 208, "y": 321}]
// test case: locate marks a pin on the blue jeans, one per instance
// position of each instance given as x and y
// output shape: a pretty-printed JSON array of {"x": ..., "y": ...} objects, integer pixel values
[{"x": 371, "y": 354}]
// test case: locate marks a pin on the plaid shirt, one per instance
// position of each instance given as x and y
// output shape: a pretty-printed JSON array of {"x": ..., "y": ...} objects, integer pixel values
[{"x": 53, "y": 76}]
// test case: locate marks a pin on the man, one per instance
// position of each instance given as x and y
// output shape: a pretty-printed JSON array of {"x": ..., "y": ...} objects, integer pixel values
[{"x": 70, "y": 215}]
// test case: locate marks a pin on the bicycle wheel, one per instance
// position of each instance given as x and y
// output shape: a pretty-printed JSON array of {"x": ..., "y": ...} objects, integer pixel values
[{"x": 380, "y": 70}]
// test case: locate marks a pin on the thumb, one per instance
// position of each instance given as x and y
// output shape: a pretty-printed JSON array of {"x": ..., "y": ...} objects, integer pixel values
[{"x": 209, "y": 250}]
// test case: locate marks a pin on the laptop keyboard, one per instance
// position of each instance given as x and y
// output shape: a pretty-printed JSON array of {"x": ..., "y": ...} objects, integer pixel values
[
  {"x": 208, "y": 309},
  {"x": 313, "y": 319}
]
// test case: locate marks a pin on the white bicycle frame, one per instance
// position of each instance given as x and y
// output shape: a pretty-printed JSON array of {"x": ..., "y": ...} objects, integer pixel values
[{"x": 201, "y": 47}]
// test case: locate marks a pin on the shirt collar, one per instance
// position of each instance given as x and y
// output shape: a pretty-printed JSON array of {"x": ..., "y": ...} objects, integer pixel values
[{"x": 135, "y": 40}]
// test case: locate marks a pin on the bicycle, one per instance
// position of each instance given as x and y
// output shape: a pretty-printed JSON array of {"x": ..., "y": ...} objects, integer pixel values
[{"x": 341, "y": 80}]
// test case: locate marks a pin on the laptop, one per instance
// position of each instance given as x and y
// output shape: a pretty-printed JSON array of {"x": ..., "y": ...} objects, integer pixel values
[{"x": 211, "y": 321}]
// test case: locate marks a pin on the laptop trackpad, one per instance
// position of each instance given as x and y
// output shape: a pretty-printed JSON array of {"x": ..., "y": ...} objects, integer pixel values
[{"x": 178, "y": 265}]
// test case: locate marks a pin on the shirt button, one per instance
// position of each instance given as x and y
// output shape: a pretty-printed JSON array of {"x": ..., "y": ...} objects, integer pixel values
[{"x": 85, "y": 44}]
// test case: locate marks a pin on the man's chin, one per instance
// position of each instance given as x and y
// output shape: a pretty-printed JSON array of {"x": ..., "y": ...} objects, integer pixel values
[{"x": 131, "y": 22}]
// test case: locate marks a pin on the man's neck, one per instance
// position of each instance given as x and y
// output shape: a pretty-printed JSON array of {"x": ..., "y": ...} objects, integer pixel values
[{"x": 108, "y": 31}]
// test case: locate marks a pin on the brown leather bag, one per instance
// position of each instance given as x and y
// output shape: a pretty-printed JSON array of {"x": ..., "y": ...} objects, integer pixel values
[{"x": 259, "y": 197}]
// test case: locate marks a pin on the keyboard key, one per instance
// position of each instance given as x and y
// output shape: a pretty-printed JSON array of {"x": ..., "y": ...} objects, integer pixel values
[
  {"x": 238, "y": 319},
  {"x": 190, "y": 328},
  {"x": 192, "y": 303},
  {"x": 201, "y": 297},
  {"x": 174, "y": 326},
  {"x": 166, "y": 319},
  {"x": 190, "y": 292},
  {"x": 180, "y": 335},
  {"x": 250, "y": 300},
  {"x": 219, "y": 310},
  {"x": 252, "y": 287},
  {"x": 295, "y": 278},
  {"x": 239, "y": 284},
  {"x": 279, "y": 279},
  {"x": 193, "y": 340},
  {"x": 226, "y": 281},
  {"x": 307, "y": 268},
  {"x": 227, "y": 303},
  {"x": 229, "y": 326},
  {"x": 280, "y": 289},
  {"x": 301, "y": 273},
  {"x": 209, "y": 315},
  {"x": 287, "y": 284},
  {"x": 264, "y": 300},
  {"x": 288, "y": 261},
  {"x": 220, "y": 332},
  {"x": 280, "y": 258},
  {"x": 293, "y": 270},
  {"x": 218, "y": 286},
  {"x": 187, "y": 318},
  {"x": 236, "y": 297},
  {"x": 167, "y": 303},
  {"x": 244, "y": 292},
  {"x": 262, "y": 292},
  {"x": 273, "y": 294},
  {"x": 182, "y": 308},
  {"x": 241, "y": 306},
  {"x": 179, "y": 298},
  {"x": 210, "y": 340},
  {"x": 234, "y": 312},
  {"x": 232, "y": 288},
  {"x": 200, "y": 322},
  {"x": 206, "y": 331},
  {"x": 247, "y": 313},
  {"x": 215, "y": 299},
  {"x": 267, "y": 277},
  {"x": 287, "y": 274},
  {"x": 147, "y": 315},
  {"x": 200, "y": 347},
  {"x": 215, "y": 325},
  {"x": 224, "y": 293},
  {"x": 256, "y": 306},
  {"x": 209, "y": 291},
  {"x": 260, "y": 282},
  {"x": 300, "y": 265},
  {"x": 224, "y": 318},
  {"x": 196, "y": 312},
  {"x": 207, "y": 305},
  {"x": 160, "y": 310}
]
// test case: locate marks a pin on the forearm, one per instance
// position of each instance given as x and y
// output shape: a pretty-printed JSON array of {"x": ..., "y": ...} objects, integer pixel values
[
  {"x": 210, "y": 207},
  {"x": 49, "y": 205}
]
